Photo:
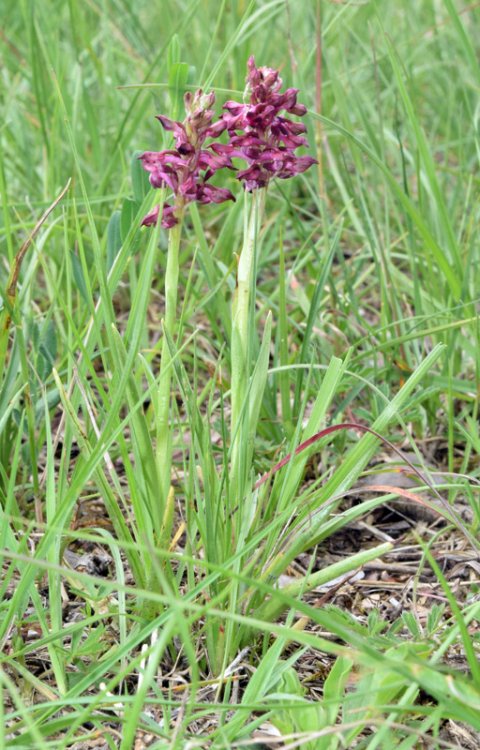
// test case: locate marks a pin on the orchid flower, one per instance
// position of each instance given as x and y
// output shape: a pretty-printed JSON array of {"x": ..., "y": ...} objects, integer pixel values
[
  {"x": 187, "y": 168},
  {"x": 259, "y": 134}
]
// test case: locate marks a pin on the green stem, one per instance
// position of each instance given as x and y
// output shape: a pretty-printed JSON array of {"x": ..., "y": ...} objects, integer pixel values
[
  {"x": 164, "y": 432},
  {"x": 271, "y": 610},
  {"x": 242, "y": 332},
  {"x": 240, "y": 359}
]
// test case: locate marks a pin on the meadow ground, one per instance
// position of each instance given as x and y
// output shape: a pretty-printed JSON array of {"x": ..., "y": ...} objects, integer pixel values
[{"x": 165, "y": 582}]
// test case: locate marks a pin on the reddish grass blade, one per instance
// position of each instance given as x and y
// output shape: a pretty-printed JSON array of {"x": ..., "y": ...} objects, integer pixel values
[{"x": 363, "y": 428}]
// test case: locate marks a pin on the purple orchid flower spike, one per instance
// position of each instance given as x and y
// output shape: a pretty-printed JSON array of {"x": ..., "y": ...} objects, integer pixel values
[
  {"x": 263, "y": 137},
  {"x": 187, "y": 168}
]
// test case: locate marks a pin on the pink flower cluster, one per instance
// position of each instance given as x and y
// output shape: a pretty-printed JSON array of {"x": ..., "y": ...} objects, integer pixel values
[
  {"x": 260, "y": 135},
  {"x": 188, "y": 167},
  {"x": 257, "y": 133}
]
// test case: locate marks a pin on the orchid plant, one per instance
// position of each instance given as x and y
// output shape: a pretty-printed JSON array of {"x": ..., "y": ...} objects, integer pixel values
[
  {"x": 265, "y": 139},
  {"x": 244, "y": 531}
]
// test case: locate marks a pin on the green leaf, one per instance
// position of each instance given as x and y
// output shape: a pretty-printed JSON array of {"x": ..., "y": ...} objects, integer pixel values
[
  {"x": 334, "y": 687},
  {"x": 259, "y": 379},
  {"x": 411, "y": 623},
  {"x": 47, "y": 350},
  {"x": 140, "y": 182},
  {"x": 114, "y": 238},
  {"x": 128, "y": 215},
  {"x": 79, "y": 278},
  {"x": 177, "y": 82}
]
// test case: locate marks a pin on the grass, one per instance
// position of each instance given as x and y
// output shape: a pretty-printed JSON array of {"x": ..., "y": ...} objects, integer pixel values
[{"x": 334, "y": 605}]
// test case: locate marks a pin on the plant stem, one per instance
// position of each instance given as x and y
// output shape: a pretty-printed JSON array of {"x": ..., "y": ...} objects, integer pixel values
[
  {"x": 164, "y": 431},
  {"x": 240, "y": 359},
  {"x": 242, "y": 333}
]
